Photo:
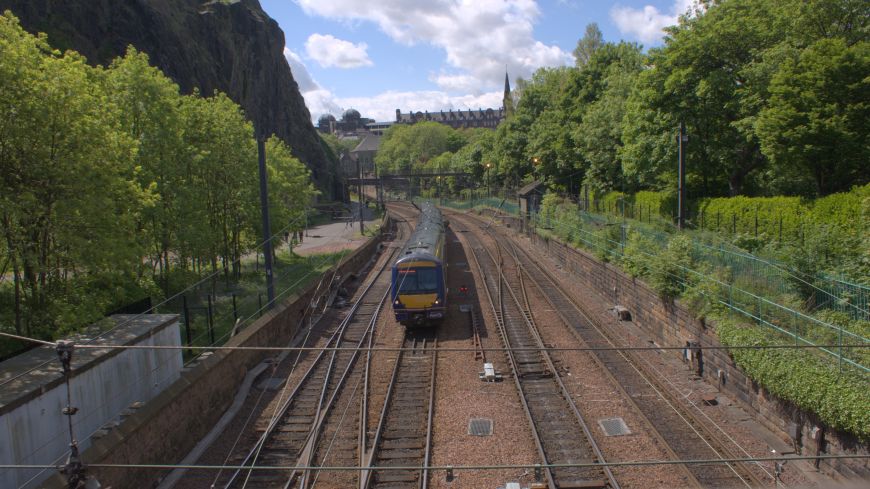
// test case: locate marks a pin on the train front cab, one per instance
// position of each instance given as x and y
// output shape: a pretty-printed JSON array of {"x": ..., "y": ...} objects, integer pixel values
[{"x": 418, "y": 292}]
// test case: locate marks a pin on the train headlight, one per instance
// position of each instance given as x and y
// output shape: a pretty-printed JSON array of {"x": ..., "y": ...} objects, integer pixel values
[
  {"x": 437, "y": 301},
  {"x": 397, "y": 303}
]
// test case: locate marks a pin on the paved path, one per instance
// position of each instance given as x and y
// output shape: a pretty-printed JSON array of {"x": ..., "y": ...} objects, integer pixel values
[{"x": 335, "y": 236}]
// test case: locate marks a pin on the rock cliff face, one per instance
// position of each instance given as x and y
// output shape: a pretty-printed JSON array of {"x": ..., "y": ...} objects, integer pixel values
[{"x": 231, "y": 46}]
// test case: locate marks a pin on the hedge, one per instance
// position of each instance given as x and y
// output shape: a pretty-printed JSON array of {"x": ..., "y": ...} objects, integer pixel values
[{"x": 840, "y": 399}]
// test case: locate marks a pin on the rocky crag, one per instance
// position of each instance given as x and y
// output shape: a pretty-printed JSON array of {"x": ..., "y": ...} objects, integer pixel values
[{"x": 231, "y": 46}]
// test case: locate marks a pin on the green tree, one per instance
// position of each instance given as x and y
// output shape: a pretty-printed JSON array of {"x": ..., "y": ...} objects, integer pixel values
[
  {"x": 599, "y": 135},
  {"x": 290, "y": 187},
  {"x": 699, "y": 77},
  {"x": 816, "y": 124},
  {"x": 409, "y": 147},
  {"x": 221, "y": 195},
  {"x": 68, "y": 196},
  {"x": 591, "y": 41},
  {"x": 148, "y": 104},
  {"x": 338, "y": 146}
]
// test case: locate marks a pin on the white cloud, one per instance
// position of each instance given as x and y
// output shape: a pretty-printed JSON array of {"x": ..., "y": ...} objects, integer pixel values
[
  {"x": 381, "y": 107},
  {"x": 456, "y": 83},
  {"x": 330, "y": 51},
  {"x": 647, "y": 24},
  {"x": 318, "y": 100},
  {"x": 480, "y": 37}
]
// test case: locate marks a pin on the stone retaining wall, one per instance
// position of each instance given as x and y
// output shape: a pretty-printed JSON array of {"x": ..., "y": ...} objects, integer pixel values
[
  {"x": 165, "y": 429},
  {"x": 670, "y": 324}
]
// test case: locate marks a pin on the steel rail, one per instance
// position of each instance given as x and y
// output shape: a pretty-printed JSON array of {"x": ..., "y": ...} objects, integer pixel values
[
  {"x": 306, "y": 457},
  {"x": 497, "y": 306},
  {"x": 537, "y": 432},
  {"x": 607, "y": 372},
  {"x": 315, "y": 366},
  {"x": 533, "y": 327},
  {"x": 391, "y": 408},
  {"x": 697, "y": 426}
]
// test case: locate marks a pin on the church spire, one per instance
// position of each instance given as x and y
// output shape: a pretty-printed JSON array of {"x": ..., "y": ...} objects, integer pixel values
[{"x": 507, "y": 102}]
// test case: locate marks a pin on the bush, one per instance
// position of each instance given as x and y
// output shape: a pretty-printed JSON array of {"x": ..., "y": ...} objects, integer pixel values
[
  {"x": 657, "y": 204},
  {"x": 637, "y": 254},
  {"x": 669, "y": 276},
  {"x": 814, "y": 384}
]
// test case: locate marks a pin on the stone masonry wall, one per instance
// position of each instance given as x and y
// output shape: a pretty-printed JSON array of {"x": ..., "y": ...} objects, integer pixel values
[
  {"x": 672, "y": 325},
  {"x": 165, "y": 429}
]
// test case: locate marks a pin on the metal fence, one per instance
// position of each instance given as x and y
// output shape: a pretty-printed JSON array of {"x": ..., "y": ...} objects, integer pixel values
[
  {"x": 831, "y": 292},
  {"x": 752, "y": 290}
]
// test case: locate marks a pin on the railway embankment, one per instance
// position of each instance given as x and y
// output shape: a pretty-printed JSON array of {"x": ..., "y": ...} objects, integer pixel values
[
  {"x": 166, "y": 428},
  {"x": 671, "y": 324}
]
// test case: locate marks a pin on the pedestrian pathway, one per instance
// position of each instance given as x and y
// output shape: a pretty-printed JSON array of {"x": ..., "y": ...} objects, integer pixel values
[{"x": 336, "y": 236}]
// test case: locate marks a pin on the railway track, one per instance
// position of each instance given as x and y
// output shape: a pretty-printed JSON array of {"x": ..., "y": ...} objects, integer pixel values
[
  {"x": 687, "y": 436},
  {"x": 560, "y": 432},
  {"x": 404, "y": 434},
  {"x": 292, "y": 438},
  {"x": 684, "y": 434}
]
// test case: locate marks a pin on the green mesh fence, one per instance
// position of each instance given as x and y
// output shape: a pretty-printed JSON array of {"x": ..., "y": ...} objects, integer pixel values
[
  {"x": 836, "y": 293},
  {"x": 753, "y": 282}
]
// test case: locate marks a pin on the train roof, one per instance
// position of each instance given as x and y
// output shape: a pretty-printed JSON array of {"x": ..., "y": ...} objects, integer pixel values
[{"x": 424, "y": 239}]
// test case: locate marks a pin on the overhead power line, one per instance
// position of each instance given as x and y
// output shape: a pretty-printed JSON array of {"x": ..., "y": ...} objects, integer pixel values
[{"x": 628, "y": 463}]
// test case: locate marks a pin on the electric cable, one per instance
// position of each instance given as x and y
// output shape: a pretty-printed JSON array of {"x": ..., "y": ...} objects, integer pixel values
[
  {"x": 627, "y": 463},
  {"x": 165, "y": 301},
  {"x": 453, "y": 349}
]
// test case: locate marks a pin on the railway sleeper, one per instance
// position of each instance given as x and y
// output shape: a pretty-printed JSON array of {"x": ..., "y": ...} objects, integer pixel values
[
  {"x": 402, "y": 433},
  {"x": 395, "y": 453},
  {"x": 409, "y": 444},
  {"x": 582, "y": 484},
  {"x": 397, "y": 476}
]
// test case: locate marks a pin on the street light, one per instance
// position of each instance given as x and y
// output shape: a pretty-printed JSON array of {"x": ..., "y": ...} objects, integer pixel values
[
  {"x": 535, "y": 162},
  {"x": 488, "y": 190}
]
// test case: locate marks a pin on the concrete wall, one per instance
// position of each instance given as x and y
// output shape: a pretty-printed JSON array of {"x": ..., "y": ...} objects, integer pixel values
[
  {"x": 672, "y": 325},
  {"x": 167, "y": 428},
  {"x": 103, "y": 384}
]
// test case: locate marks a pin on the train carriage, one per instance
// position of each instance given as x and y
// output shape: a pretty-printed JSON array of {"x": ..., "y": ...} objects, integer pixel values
[{"x": 418, "y": 292}]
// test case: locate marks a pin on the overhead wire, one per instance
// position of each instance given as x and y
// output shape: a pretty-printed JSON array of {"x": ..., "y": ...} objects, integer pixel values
[
  {"x": 627, "y": 463},
  {"x": 300, "y": 349},
  {"x": 448, "y": 349},
  {"x": 130, "y": 385},
  {"x": 154, "y": 307},
  {"x": 283, "y": 397}
]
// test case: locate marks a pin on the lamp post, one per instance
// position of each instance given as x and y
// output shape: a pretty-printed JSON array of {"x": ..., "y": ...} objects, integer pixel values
[
  {"x": 682, "y": 140},
  {"x": 488, "y": 189}
]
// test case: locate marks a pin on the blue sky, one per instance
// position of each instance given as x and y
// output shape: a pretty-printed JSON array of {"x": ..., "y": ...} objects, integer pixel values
[{"x": 380, "y": 55}]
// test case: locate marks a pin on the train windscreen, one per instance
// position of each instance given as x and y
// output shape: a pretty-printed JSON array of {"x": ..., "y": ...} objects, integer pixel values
[{"x": 418, "y": 280}]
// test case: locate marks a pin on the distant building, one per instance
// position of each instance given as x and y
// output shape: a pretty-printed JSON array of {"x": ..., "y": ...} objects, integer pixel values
[
  {"x": 489, "y": 118},
  {"x": 365, "y": 152},
  {"x": 378, "y": 128},
  {"x": 351, "y": 122},
  {"x": 456, "y": 119}
]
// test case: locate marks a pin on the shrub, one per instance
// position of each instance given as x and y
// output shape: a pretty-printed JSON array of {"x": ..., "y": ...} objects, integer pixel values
[
  {"x": 668, "y": 276},
  {"x": 814, "y": 384}
]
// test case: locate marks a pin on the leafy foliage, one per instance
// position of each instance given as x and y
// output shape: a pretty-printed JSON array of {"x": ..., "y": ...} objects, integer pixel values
[
  {"x": 840, "y": 399},
  {"x": 110, "y": 180}
]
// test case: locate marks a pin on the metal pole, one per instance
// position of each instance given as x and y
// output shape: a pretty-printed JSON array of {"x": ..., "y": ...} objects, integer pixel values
[
  {"x": 267, "y": 230},
  {"x": 210, "y": 320},
  {"x": 681, "y": 196},
  {"x": 360, "y": 197},
  {"x": 186, "y": 322}
]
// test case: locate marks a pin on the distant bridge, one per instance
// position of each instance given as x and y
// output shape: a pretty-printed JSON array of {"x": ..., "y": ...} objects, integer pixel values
[{"x": 391, "y": 177}]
